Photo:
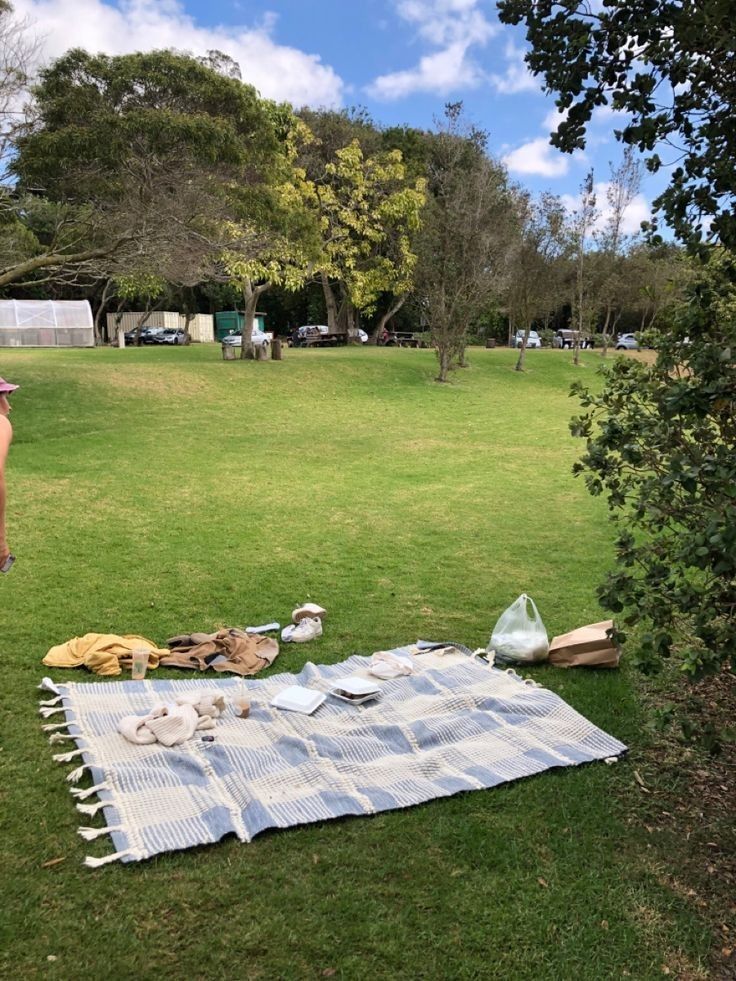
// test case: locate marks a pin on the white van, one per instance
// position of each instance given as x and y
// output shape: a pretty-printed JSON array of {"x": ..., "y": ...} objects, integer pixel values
[{"x": 534, "y": 339}]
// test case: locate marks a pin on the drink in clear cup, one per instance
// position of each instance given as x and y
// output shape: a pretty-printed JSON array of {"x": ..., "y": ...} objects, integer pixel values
[
  {"x": 241, "y": 705},
  {"x": 140, "y": 663}
]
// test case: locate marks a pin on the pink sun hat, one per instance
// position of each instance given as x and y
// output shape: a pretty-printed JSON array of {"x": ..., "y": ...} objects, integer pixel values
[{"x": 6, "y": 387}]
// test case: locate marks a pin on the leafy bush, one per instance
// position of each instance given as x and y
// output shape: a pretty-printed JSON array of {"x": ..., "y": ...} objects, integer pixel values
[{"x": 661, "y": 444}]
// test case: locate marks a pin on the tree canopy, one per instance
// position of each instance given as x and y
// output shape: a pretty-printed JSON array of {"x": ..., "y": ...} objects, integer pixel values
[
  {"x": 670, "y": 67},
  {"x": 147, "y": 155},
  {"x": 469, "y": 220}
]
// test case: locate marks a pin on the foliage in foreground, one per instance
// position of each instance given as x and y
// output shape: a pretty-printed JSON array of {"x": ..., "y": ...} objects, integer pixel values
[{"x": 661, "y": 444}]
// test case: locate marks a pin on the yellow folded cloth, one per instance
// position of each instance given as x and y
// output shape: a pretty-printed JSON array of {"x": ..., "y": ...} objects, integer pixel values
[{"x": 101, "y": 653}]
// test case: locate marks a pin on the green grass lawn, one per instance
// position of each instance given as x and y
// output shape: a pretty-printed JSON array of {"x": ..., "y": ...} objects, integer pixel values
[{"x": 164, "y": 490}]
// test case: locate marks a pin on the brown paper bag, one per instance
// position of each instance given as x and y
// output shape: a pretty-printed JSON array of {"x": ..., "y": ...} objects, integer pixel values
[{"x": 585, "y": 647}]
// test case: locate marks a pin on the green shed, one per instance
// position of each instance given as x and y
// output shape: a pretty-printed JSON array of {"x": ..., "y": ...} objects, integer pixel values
[{"x": 231, "y": 322}]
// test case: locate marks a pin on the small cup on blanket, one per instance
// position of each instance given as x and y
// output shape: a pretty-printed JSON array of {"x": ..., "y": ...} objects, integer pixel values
[
  {"x": 139, "y": 664},
  {"x": 241, "y": 706}
]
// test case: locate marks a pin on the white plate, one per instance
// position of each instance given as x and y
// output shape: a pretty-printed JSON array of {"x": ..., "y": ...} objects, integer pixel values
[
  {"x": 356, "y": 685},
  {"x": 298, "y": 699}
]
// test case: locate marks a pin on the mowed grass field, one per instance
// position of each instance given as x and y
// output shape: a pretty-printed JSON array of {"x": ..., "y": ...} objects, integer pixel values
[{"x": 159, "y": 491}]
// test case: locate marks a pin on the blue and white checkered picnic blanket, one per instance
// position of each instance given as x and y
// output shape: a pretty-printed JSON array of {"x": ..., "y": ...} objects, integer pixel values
[{"x": 455, "y": 725}]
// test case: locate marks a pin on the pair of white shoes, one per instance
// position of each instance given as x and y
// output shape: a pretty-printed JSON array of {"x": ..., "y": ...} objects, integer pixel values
[{"x": 307, "y": 624}]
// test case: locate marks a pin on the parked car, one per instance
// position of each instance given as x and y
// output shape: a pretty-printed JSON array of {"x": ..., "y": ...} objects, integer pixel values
[
  {"x": 534, "y": 339},
  {"x": 566, "y": 338},
  {"x": 627, "y": 342},
  {"x": 149, "y": 335},
  {"x": 361, "y": 336},
  {"x": 259, "y": 338},
  {"x": 174, "y": 335}
]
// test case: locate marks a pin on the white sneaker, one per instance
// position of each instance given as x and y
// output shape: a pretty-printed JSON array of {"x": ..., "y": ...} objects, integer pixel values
[
  {"x": 307, "y": 629},
  {"x": 308, "y": 610}
]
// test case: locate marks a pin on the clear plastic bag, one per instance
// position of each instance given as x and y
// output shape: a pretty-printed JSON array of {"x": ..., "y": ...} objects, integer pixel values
[{"x": 519, "y": 638}]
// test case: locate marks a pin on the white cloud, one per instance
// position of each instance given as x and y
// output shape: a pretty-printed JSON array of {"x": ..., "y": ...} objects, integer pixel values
[
  {"x": 441, "y": 72},
  {"x": 538, "y": 158},
  {"x": 608, "y": 116},
  {"x": 445, "y": 22},
  {"x": 277, "y": 71},
  {"x": 517, "y": 77},
  {"x": 453, "y": 26}
]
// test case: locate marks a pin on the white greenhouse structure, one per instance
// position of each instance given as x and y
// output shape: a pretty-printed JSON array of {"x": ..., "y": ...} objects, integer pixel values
[{"x": 46, "y": 323}]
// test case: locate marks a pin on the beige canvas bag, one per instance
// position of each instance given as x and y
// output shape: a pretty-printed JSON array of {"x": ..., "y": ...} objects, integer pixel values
[{"x": 585, "y": 647}]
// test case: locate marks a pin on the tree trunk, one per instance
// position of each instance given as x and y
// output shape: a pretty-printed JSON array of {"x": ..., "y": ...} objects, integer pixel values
[
  {"x": 118, "y": 321},
  {"x": 246, "y": 337},
  {"x": 330, "y": 303},
  {"x": 142, "y": 319},
  {"x": 346, "y": 312},
  {"x": 580, "y": 301},
  {"x": 606, "y": 325},
  {"x": 251, "y": 295},
  {"x": 100, "y": 309},
  {"x": 443, "y": 356},
  {"x": 188, "y": 318},
  {"x": 392, "y": 310},
  {"x": 350, "y": 317},
  {"x": 522, "y": 349}
]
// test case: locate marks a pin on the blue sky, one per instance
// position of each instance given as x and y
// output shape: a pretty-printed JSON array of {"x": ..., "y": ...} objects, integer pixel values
[{"x": 401, "y": 59}]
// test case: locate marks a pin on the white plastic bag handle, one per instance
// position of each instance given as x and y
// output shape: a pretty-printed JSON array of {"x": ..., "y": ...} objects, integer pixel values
[{"x": 528, "y": 599}]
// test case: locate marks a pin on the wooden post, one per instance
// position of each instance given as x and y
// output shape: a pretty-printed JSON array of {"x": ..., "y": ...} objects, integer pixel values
[
  {"x": 276, "y": 349},
  {"x": 228, "y": 352}
]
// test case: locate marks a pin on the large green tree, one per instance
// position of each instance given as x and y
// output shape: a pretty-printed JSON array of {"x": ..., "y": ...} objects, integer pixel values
[
  {"x": 369, "y": 212},
  {"x": 581, "y": 222},
  {"x": 468, "y": 223},
  {"x": 612, "y": 285},
  {"x": 656, "y": 277},
  {"x": 145, "y": 157},
  {"x": 537, "y": 250},
  {"x": 287, "y": 255}
]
